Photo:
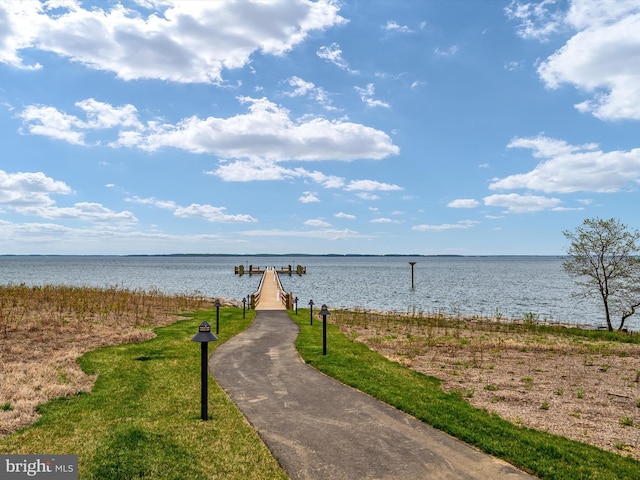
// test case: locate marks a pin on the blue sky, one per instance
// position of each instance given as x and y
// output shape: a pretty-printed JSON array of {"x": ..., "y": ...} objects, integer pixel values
[{"x": 294, "y": 126}]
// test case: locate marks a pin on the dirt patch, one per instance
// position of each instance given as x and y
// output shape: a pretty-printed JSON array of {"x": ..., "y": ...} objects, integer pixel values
[{"x": 578, "y": 387}]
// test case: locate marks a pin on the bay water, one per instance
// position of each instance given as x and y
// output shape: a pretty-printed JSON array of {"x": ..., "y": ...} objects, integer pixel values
[{"x": 508, "y": 287}]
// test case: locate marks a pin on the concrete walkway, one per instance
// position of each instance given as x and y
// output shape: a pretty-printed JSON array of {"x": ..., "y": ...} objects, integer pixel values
[{"x": 320, "y": 429}]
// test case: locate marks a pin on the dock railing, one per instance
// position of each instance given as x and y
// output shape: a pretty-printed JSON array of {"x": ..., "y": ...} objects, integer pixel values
[
  {"x": 255, "y": 296},
  {"x": 255, "y": 270},
  {"x": 285, "y": 298}
]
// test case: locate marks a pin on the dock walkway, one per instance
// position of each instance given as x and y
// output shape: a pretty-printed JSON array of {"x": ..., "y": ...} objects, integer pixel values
[
  {"x": 319, "y": 429},
  {"x": 270, "y": 293}
]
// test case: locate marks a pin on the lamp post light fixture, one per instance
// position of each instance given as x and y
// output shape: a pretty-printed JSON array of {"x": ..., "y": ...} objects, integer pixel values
[
  {"x": 244, "y": 306},
  {"x": 311, "y": 312},
  {"x": 217, "y": 304},
  {"x": 324, "y": 311},
  {"x": 412, "y": 264},
  {"x": 204, "y": 336},
  {"x": 296, "y": 302}
]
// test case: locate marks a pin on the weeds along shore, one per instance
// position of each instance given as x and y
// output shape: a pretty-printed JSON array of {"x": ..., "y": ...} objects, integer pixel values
[{"x": 45, "y": 329}]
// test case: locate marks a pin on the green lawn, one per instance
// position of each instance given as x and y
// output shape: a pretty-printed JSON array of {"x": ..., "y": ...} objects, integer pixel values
[
  {"x": 546, "y": 456},
  {"x": 142, "y": 419}
]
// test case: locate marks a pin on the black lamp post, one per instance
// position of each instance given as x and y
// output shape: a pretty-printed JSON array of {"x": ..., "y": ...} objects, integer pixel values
[
  {"x": 217, "y": 304},
  {"x": 244, "y": 306},
  {"x": 296, "y": 300},
  {"x": 311, "y": 310},
  {"x": 204, "y": 336},
  {"x": 324, "y": 311}
]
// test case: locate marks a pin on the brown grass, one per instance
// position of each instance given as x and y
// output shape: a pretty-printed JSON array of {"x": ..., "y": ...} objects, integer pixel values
[
  {"x": 581, "y": 388},
  {"x": 44, "y": 330}
]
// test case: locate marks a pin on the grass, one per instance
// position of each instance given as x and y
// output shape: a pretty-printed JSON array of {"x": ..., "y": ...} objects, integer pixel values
[
  {"x": 142, "y": 418},
  {"x": 545, "y": 455}
]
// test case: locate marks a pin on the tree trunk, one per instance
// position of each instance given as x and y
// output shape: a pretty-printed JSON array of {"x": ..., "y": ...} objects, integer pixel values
[
  {"x": 626, "y": 315},
  {"x": 606, "y": 311}
]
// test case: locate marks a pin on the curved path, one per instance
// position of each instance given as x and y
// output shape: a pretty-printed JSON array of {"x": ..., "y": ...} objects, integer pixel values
[{"x": 320, "y": 429}]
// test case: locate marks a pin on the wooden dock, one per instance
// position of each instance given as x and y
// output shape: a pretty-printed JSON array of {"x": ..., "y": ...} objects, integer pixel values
[
  {"x": 270, "y": 294},
  {"x": 255, "y": 270}
]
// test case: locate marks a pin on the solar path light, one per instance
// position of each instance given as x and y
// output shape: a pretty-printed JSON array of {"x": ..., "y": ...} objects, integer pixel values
[
  {"x": 324, "y": 311},
  {"x": 296, "y": 302},
  {"x": 244, "y": 306},
  {"x": 204, "y": 336},
  {"x": 311, "y": 310}
]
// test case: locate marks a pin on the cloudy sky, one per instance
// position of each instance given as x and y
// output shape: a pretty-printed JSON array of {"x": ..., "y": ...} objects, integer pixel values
[{"x": 297, "y": 126}]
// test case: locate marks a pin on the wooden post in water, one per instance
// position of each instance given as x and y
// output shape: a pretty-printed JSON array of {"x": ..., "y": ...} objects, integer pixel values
[{"x": 412, "y": 264}]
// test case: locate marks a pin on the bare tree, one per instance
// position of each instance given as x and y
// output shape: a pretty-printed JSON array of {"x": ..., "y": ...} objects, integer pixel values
[{"x": 603, "y": 258}]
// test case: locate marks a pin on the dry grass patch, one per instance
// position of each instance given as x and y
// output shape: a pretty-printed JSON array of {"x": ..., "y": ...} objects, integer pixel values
[
  {"x": 44, "y": 330},
  {"x": 583, "y": 388}
]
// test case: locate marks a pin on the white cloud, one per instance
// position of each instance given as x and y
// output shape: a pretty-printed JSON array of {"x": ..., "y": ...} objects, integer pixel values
[
  {"x": 101, "y": 238},
  {"x": 512, "y": 65},
  {"x": 265, "y": 132},
  {"x": 346, "y": 216},
  {"x": 587, "y": 13},
  {"x": 309, "y": 89},
  {"x": 309, "y": 197},
  {"x": 29, "y": 193},
  {"x": 328, "y": 234},
  {"x": 371, "y": 185},
  {"x": 545, "y": 147},
  {"x": 462, "y": 225},
  {"x": 253, "y": 170},
  {"x": 463, "y": 203},
  {"x": 86, "y": 211},
  {"x": 317, "y": 222},
  {"x": 514, "y": 203},
  {"x": 50, "y": 122},
  {"x": 446, "y": 52},
  {"x": 327, "y": 181},
  {"x": 367, "y": 196},
  {"x": 207, "y": 212},
  {"x": 29, "y": 189},
  {"x": 384, "y": 220},
  {"x": 393, "y": 26},
  {"x": 211, "y": 214},
  {"x": 102, "y": 115},
  {"x": 301, "y": 87},
  {"x": 602, "y": 57},
  {"x": 178, "y": 41},
  {"x": 366, "y": 95},
  {"x": 261, "y": 170},
  {"x": 164, "y": 204},
  {"x": 333, "y": 54},
  {"x": 569, "y": 168},
  {"x": 535, "y": 19}
]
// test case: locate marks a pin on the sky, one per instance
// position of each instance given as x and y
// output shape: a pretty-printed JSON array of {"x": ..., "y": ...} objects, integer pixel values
[{"x": 435, "y": 127}]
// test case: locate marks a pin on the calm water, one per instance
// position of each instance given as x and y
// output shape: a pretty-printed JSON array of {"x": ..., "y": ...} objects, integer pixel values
[{"x": 483, "y": 286}]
